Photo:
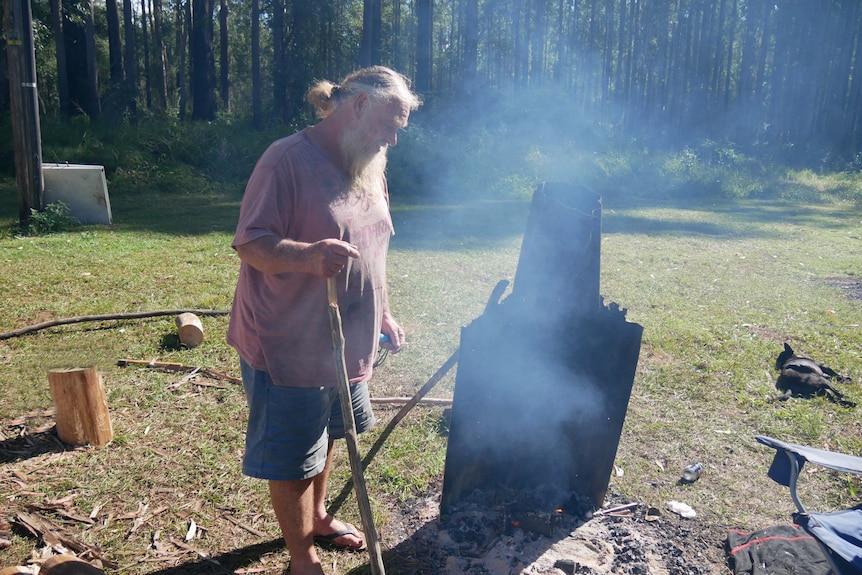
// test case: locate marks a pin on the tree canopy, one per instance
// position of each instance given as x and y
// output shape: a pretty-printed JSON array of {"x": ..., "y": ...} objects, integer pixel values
[{"x": 782, "y": 74}]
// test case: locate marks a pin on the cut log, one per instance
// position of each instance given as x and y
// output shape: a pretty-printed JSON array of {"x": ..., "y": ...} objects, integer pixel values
[
  {"x": 81, "y": 407},
  {"x": 190, "y": 329}
]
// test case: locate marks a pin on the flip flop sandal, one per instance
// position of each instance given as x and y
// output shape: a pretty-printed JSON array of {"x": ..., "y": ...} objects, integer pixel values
[{"x": 329, "y": 541}]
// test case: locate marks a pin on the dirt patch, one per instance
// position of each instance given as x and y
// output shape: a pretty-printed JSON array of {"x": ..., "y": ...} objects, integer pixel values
[{"x": 850, "y": 286}]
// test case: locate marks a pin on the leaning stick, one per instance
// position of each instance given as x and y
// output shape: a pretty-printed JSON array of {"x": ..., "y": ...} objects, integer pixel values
[
  {"x": 402, "y": 400},
  {"x": 417, "y": 397},
  {"x": 372, "y": 541},
  {"x": 387, "y": 431}
]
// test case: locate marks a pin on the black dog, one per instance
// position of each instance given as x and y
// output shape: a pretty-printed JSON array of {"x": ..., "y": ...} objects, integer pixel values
[{"x": 801, "y": 376}]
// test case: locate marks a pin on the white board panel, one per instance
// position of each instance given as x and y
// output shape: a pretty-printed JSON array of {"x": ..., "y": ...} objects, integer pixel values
[{"x": 82, "y": 187}]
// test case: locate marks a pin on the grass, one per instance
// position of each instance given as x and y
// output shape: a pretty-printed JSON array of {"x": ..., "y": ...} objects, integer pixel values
[{"x": 718, "y": 284}]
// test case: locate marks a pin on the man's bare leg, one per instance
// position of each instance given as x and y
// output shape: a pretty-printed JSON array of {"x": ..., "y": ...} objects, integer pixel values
[
  {"x": 293, "y": 502},
  {"x": 324, "y": 524}
]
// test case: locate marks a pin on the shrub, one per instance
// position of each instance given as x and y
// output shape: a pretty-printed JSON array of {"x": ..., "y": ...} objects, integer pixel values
[{"x": 57, "y": 217}]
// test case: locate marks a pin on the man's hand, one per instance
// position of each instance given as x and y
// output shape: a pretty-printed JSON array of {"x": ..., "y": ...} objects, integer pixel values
[
  {"x": 324, "y": 258},
  {"x": 328, "y": 257},
  {"x": 396, "y": 335}
]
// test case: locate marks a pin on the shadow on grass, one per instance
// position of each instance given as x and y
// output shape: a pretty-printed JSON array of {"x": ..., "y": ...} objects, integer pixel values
[
  {"x": 185, "y": 214},
  {"x": 469, "y": 224},
  {"x": 743, "y": 218},
  {"x": 228, "y": 562},
  {"x": 31, "y": 445}
]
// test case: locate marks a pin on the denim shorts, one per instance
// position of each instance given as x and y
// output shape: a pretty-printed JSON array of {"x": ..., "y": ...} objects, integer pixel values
[{"x": 289, "y": 428}]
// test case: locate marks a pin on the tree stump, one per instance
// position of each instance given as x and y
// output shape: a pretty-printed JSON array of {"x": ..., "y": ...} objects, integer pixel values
[
  {"x": 190, "y": 329},
  {"x": 81, "y": 407}
]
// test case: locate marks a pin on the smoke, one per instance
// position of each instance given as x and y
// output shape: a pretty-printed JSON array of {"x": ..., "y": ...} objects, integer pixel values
[{"x": 544, "y": 377}]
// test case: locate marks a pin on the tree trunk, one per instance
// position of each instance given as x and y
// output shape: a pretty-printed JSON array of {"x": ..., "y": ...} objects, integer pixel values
[
  {"x": 256, "y": 88},
  {"x": 372, "y": 22},
  {"x": 145, "y": 26},
  {"x": 60, "y": 54},
  {"x": 115, "y": 47},
  {"x": 471, "y": 45},
  {"x": 224, "y": 63},
  {"x": 424, "y": 31},
  {"x": 202, "y": 60},
  {"x": 161, "y": 56},
  {"x": 397, "y": 51},
  {"x": 279, "y": 62},
  {"x": 130, "y": 93},
  {"x": 79, "y": 38},
  {"x": 94, "y": 108},
  {"x": 182, "y": 22},
  {"x": 26, "y": 134}
]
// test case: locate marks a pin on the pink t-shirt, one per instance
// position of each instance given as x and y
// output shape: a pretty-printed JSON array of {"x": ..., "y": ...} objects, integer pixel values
[{"x": 279, "y": 323}]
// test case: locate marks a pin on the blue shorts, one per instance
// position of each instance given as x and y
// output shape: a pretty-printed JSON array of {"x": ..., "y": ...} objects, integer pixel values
[{"x": 289, "y": 428}]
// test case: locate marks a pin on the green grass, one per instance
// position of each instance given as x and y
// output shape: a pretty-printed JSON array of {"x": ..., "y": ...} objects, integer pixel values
[{"x": 718, "y": 282}]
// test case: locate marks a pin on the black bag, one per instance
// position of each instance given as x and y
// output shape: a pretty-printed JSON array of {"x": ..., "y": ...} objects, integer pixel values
[{"x": 779, "y": 550}]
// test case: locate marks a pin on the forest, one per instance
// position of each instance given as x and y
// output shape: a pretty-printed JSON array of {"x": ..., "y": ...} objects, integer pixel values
[{"x": 776, "y": 77}]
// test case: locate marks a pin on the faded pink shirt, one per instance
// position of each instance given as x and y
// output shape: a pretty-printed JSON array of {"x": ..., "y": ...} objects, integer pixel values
[{"x": 279, "y": 323}]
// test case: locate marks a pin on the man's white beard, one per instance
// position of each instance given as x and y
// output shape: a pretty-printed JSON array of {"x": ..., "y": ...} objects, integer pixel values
[{"x": 366, "y": 165}]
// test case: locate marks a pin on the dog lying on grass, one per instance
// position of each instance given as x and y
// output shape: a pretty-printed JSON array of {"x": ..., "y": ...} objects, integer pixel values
[{"x": 801, "y": 376}]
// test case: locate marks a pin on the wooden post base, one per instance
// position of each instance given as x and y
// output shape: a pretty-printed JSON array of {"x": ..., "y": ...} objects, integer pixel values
[{"x": 81, "y": 407}]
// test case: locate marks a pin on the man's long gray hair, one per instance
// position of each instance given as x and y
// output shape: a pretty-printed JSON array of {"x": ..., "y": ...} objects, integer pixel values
[{"x": 379, "y": 82}]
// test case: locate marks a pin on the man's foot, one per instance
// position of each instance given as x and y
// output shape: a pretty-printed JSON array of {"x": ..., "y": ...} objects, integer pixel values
[{"x": 338, "y": 535}]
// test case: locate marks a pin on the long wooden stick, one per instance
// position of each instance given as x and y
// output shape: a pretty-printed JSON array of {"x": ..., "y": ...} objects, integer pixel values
[
  {"x": 372, "y": 540},
  {"x": 107, "y": 316}
]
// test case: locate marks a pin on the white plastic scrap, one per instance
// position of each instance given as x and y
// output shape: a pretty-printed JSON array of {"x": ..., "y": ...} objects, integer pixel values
[{"x": 681, "y": 509}]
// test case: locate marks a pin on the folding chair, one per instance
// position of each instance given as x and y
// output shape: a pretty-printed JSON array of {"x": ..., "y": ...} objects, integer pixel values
[{"x": 839, "y": 533}]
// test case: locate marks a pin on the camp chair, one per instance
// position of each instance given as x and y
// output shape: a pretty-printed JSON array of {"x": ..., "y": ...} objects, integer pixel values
[{"x": 839, "y": 533}]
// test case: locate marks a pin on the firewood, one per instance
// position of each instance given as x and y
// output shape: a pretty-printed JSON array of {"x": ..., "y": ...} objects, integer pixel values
[
  {"x": 82, "y": 408},
  {"x": 190, "y": 329}
]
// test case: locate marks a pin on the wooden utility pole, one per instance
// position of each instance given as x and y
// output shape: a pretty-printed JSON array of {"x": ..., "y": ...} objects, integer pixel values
[{"x": 23, "y": 97}]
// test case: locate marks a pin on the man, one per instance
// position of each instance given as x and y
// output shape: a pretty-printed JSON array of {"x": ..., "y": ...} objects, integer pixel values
[{"x": 316, "y": 206}]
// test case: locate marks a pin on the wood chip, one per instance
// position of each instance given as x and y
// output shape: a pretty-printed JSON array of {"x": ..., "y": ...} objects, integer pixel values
[
  {"x": 192, "y": 530},
  {"x": 95, "y": 512},
  {"x": 139, "y": 517},
  {"x": 22, "y": 476}
]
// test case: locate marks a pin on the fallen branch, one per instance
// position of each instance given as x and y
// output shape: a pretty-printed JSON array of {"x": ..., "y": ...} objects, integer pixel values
[
  {"x": 178, "y": 367},
  {"x": 109, "y": 316}
]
